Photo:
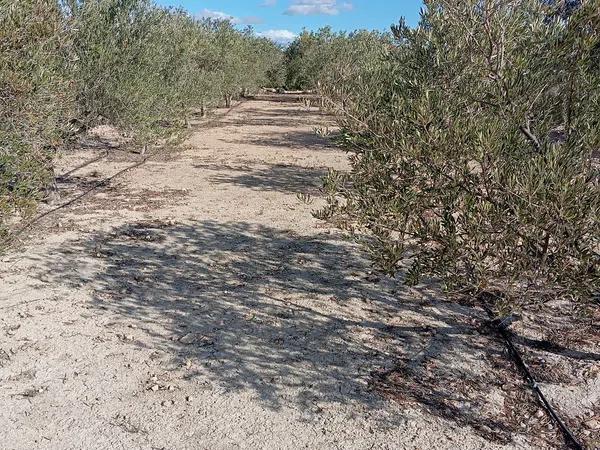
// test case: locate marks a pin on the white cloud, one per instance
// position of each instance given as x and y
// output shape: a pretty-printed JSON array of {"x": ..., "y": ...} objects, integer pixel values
[
  {"x": 269, "y": 3},
  {"x": 220, "y": 15},
  {"x": 279, "y": 36},
  {"x": 312, "y": 7}
]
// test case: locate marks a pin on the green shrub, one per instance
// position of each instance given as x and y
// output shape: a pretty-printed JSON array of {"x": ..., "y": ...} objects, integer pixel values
[
  {"x": 36, "y": 100},
  {"x": 473, "y": 147},
  {"x": 129, "y": 59}
]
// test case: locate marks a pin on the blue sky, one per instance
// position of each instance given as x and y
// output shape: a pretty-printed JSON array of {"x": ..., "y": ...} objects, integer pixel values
[{"x": 282, "y": 19}]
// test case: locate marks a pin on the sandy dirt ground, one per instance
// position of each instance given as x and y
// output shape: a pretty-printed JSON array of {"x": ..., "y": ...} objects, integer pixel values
[{"x": 195, "y": 303}]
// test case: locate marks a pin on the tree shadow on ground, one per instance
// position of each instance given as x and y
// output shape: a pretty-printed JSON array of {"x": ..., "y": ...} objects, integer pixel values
[
  {"x": 293, "y": 140},
  {"x": 277, "y": 177},
  {"x": 277, "y": 116},
  {"x": 291, "y": 319}
]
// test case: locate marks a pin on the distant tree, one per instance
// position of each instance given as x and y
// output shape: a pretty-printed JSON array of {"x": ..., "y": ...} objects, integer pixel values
[{"x": 314, "y": 56}]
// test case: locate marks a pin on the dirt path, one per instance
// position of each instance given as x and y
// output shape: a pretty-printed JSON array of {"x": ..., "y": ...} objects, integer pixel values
[{"x": 195, "y": 303}]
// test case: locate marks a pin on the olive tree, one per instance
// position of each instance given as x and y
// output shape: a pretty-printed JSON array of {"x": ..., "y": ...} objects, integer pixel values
[
  {"x": 36, "y": 100},
  {"x": 474, "y": 150}
]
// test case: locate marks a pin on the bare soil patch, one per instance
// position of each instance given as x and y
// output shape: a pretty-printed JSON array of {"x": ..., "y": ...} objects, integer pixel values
[{"x": 195, "y": 303}]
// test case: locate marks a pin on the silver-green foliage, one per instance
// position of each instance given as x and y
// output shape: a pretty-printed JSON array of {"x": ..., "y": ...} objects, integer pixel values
[
  {"x": 475, "y": 149},
  {"x": 314, "y": 58},
  {"x": 138, "y": 64},
  {"x": 35, "y": 99}
]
